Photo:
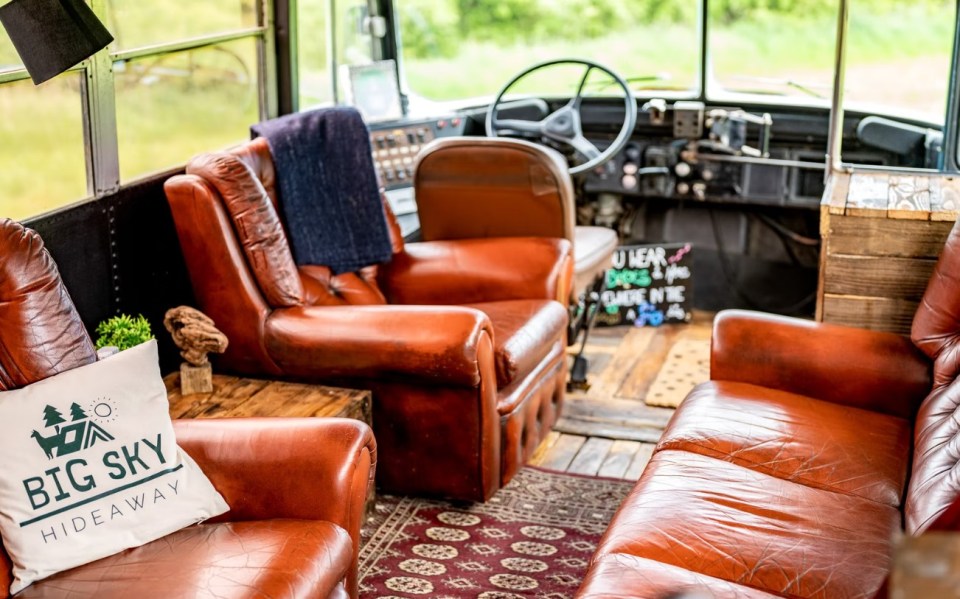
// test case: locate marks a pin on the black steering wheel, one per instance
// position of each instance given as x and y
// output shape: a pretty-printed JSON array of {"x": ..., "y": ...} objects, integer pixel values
[{"x": 564, "y": 124}]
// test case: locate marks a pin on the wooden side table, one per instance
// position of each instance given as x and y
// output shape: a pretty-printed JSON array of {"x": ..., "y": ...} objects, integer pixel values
[
  {"x": 237, "y": 397},
  {"x": 882, "y": 233}
]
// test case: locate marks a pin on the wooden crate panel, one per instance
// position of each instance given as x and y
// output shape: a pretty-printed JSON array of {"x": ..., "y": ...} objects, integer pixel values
[
  {"x": 886, "y": 237},
  {"x": 897, "y": 278},
  {"x": 876, "y": 313}
]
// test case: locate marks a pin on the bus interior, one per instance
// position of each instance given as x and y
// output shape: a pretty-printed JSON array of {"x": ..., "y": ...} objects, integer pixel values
[{"x": 803, "y": 152}]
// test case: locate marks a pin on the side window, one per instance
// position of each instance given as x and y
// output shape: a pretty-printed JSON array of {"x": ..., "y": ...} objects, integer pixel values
[
  {"x": 181, "y": 77},
  {"x": 42, "y": 156},
  {"x": 324, "y": 52},
  {"x": 186, "y": 78}
]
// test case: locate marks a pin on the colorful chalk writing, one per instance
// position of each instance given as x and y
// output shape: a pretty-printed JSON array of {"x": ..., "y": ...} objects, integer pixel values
[{"x": 649, "y": 285}]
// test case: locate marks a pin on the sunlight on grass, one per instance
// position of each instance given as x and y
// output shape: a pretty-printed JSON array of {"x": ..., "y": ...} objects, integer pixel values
[
  {"x": 774, "y": 54},
  {"x": 42, "y": 164},
  {"x": 172, "y": 107}
]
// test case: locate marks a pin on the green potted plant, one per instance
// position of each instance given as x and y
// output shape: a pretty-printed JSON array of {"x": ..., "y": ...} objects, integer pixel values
[{"x": 122, "y": 332}]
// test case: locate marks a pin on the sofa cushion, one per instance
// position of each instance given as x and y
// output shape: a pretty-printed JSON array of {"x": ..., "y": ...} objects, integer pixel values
[
  {"x": 617, "y": 575},
  {"x": 524, "y": 332},
  {"x": 273, "y": 558},
  {"x": 807, "y": 441},
  {"x": 722, "y": 520}
]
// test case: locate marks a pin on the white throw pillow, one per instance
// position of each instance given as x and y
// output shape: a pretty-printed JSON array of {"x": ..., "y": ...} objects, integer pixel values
[{"x": 91, "y": 467}]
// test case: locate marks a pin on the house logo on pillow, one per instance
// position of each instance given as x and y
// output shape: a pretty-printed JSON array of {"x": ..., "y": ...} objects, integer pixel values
[
  {"x": 73, "y": 483},
  {"x": 81, "y": 433}
]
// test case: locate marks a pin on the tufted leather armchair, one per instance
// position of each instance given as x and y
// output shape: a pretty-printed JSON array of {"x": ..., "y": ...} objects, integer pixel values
[
  {"x": 296, "y": 487},
  {"x": 461, "y": 342},
  {"x": 796, "y": 468}
]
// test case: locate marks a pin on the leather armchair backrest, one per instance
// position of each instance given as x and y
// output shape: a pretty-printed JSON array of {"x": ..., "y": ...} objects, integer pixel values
[
  {"x": 256, "y": 224},
  {"x": 223, "y": 275},
  {"x": 223, "y": 284},
  {"x": 934, "y": 484},
  {"x": 319, "y": 287},
  {"x": 468, "y": 187},
  {"x": 41, "y": 333}
]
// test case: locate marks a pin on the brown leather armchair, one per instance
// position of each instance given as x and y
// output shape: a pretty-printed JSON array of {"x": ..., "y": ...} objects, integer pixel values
[
  {"x": 462, "y": 342},
  {"x": 296, "y": 487},
  {"x": 474, "y": 187},
  {"x": 480, "y": 187}
]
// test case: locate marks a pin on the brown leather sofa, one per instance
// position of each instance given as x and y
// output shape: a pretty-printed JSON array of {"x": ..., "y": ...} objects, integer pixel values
[
  {"x": 462, "y": 342},
  {"x": 795, "y": 469},
  {"x": 296, "y": 487}
]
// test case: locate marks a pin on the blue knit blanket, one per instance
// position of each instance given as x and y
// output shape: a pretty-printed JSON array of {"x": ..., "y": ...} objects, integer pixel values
[{"x": 327, "y": 188}]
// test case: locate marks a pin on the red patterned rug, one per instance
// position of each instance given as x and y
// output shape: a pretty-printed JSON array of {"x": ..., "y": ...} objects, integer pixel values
[{"x": 532, "y": 539}]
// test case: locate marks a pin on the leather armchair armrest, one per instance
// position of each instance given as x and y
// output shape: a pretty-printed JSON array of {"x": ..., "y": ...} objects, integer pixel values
[
  {"x": 882, "y": 372},
  {"x": 435, "y": 344},
  {"x": 302, "y": 468},
  {"x": 469, "y": 271}
]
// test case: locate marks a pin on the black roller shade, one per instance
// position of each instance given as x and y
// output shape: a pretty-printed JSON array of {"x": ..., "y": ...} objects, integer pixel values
[{"x": 53, "y": 35}]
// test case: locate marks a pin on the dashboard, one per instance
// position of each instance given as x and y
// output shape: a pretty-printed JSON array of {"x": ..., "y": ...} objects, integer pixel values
[
  {"x": 741, "y": 184},
  {"x": 688, "y": 152},
  {"x": 394, "y": 147}
]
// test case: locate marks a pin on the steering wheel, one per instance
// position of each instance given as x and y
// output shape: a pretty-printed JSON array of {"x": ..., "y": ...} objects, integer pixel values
[{"x": 564, "y": 124}]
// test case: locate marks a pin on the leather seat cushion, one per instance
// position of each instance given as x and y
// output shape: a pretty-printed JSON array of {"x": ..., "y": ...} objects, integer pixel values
[
  {"x": 808, "y": 441},
  {"x": 620, "y": 575},
  {"x": 725, "y": 521},
  {"x": 524, "y": 332},
  {"x": 593, "y": 249},
  {"x": 273, "y": 558}
]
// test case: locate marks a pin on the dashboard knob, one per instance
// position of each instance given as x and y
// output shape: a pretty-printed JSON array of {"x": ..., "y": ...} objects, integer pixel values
[
  {"x": 707, "y": 174},
  {"x": 628, "y": 181},
  {"x": 632, "y": 153},
  {"x": 700, "y": 191},
  {"x": 630, "y": 168},
  {"x": 683, "y": 188},
  {"x": 682, "y": 169}
]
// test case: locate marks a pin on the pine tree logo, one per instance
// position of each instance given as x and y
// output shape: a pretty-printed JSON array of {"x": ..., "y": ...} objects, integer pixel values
[{"x": 80, "y": 433}]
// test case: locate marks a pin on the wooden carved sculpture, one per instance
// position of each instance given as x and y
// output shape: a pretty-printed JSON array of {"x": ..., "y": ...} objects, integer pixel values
[{"x": 196, "y": 336}]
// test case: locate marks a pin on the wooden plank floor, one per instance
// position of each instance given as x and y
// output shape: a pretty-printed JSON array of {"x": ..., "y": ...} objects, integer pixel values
[{"x": 608, "y": 430}]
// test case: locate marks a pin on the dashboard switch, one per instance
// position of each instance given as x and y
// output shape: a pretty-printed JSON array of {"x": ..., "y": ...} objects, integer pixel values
[{"x": 699, "y": 191}]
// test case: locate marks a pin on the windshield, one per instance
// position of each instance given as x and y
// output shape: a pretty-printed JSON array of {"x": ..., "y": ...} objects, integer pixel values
[
  {"x": 898, "y": 51},
  {"x": 460, "y": 49}
]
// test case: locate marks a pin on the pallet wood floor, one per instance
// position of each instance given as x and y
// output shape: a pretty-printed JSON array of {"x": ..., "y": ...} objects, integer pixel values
[{"x": 608, "y": 430}]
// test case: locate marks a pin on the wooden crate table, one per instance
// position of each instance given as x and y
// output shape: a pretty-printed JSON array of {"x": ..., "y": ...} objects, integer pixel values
[
  {"x": 882, "y": 233},
  {"x": 235, "y": 397}
]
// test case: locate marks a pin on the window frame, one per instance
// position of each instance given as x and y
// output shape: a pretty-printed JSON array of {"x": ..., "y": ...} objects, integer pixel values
[{"x": 98, "y": 94}]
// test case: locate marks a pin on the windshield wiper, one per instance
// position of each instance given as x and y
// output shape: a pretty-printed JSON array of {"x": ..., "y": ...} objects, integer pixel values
[
  {"x": 806, "y": 88},
  {"x": 600, "y": 85}
]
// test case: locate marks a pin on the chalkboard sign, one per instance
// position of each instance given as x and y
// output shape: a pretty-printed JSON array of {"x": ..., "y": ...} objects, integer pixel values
[{"x": 648, "y": 285}]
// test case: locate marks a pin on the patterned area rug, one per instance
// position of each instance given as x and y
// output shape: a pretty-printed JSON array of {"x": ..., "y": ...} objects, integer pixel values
[{"x": 534, "y": 538}]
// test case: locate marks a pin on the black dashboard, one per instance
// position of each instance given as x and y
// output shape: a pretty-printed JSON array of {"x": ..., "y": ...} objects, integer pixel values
[
  {"x": 676, "y": 153},
  {"x": 741, "y": 183}
]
